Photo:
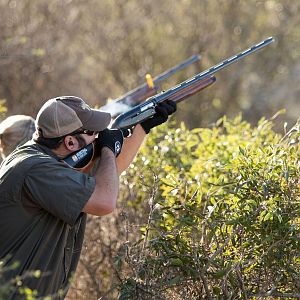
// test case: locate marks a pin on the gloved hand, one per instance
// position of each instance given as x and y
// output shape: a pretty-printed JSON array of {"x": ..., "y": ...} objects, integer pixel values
[
  {"x": 111, "y": 138},
  {"x": 163, "y": 111}
]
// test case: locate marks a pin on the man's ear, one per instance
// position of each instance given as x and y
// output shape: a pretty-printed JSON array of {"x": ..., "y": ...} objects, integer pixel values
[{"x": 70, "y": 142}]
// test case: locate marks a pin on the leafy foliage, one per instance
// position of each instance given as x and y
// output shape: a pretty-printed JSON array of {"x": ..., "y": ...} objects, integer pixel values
[
  {"x": 16, "y": 287},
  {"x": 224, "y": 212}
]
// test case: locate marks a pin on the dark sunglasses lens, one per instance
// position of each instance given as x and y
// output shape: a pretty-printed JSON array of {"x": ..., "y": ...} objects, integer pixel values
[{"x": 89, "y": 132}]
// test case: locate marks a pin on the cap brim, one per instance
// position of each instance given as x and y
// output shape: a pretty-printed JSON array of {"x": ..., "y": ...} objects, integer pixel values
[{"x": 98, "y": 121}]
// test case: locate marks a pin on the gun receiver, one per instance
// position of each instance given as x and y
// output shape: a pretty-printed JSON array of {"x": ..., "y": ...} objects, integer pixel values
[
  {"x": 144, "y": 91},
  {"x": 181, "y": 91}
]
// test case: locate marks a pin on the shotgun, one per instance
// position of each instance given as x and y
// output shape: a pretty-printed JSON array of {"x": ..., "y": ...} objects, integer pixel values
[
  {"x": 144, "y": 91},
  {"x": 83, "y": 158},
  {"x": 180, "y": 92}
]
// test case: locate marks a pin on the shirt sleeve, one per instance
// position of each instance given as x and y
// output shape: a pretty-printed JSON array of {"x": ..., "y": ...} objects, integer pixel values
[{"x": 59, "y": 189}]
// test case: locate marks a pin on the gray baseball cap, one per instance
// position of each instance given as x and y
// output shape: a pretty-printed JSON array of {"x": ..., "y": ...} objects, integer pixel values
[
  {"x": 14, "y": 131},
  {"x": 63, "y": 115}
]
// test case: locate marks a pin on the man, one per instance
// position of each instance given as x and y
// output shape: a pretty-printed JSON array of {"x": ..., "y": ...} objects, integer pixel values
[
  {"x": 44, "y": 201},
  {"x": 14, "y": 131}
]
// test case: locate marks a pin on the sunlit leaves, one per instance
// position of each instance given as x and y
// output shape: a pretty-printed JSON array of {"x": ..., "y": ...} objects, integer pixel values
[{"x": 228, "y": 206}]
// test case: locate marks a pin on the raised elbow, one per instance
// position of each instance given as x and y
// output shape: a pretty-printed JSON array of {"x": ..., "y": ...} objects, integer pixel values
[
  {"x": 99, "y": 206},
  {"x": 106, "y": 209}
]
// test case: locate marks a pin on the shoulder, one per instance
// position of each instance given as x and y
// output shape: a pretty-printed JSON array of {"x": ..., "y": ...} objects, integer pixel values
[{"x": 31, "y": 155}]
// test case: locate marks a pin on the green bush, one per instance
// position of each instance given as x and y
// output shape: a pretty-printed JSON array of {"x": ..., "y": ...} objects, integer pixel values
[
  {"x": 223, "y": 214},
  {"x": 16, "y": 286}
]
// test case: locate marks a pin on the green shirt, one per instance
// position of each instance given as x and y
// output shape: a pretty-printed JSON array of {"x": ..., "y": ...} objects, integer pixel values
[{"x": 41, "y": 223}]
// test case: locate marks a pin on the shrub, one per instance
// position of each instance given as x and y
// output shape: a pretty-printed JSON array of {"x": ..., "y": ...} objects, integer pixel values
[{"x": 223, "y": 214}]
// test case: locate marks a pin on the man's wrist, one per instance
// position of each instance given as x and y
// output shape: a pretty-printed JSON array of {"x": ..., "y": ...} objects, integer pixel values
[{"x": 106, "y": 149}]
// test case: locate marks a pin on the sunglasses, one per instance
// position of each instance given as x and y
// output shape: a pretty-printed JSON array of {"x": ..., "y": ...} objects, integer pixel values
[{"x": 84, "y": 131}]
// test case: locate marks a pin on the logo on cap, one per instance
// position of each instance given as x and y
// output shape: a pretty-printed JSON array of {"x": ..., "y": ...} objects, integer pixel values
[{"x": 84, "y": 106}]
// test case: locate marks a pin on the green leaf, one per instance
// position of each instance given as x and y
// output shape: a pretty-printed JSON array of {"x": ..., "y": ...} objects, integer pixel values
[
  {"x": 176, "y": 262},
  {"x": 175, "y": 280},
  {"x": 242, "y": 151}
]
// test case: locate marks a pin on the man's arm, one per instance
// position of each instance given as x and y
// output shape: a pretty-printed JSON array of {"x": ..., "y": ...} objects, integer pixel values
[
  {"x": 130, "y": 148},
  {"x": 132, "y": 145},
  {"x": 104, "y": 198}
]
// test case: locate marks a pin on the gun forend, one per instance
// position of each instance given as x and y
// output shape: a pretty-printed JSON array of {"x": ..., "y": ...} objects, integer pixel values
[
  {"x": 146, "y": 110},
  {"x": 192, "y": 89}
]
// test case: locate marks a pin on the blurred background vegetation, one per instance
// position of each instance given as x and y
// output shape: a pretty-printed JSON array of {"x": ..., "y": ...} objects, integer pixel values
[{"x": 101, "y": 49}]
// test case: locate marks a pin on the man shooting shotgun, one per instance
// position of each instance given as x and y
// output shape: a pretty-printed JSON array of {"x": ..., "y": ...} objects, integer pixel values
[
  {"x": 143, "y": 113},
  {"x": 45, "y": 201}
]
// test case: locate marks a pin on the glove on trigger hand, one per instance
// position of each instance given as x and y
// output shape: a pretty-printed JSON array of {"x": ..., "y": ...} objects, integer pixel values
[
  {"x": 163, "y": 111},
  {"x": 111, "y": 138}
]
